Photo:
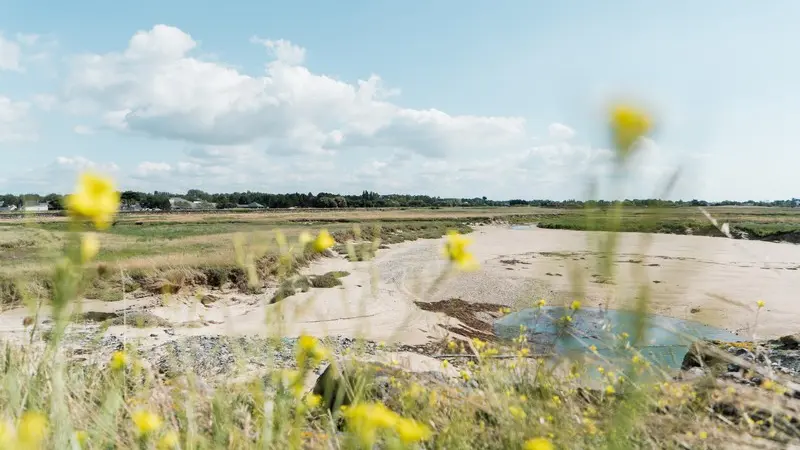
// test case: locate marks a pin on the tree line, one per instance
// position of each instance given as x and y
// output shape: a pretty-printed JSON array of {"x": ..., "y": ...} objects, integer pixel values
[{"x": 367, "y": 199}]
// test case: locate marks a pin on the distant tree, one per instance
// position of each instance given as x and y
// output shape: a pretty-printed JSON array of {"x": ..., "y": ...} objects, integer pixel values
[{"x": 54, "y": 201}]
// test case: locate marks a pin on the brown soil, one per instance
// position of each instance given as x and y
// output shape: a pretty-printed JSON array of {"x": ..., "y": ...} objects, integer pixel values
[{"x": 466, "y": 313}]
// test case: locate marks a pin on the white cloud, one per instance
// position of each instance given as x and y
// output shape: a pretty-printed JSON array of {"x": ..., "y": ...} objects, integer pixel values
[
  {"x": 45, "y": 102},
  {"x": 288, "y": 129},
  {"x": 560, "y": 131},
  {"x": 283, "y": 50},
  {"x": 9, "y": 54},
  {"x": 15, "y": 123},
  {"x": 80, "y": 163},
  {"x": 83, "y": 130},
  {"x": 149, "y": 169},
  {"x": 59, "y": 175},
  {"x": 155, "y": 87}
]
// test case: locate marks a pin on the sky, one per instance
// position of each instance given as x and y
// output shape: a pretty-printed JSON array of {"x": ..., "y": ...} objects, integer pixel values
[{"x": 468, "y": 98}]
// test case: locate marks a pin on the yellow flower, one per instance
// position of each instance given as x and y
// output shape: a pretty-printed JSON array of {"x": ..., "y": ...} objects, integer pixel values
[
  {"x": 309, "y": 348},
  {"x": 593, "y": 348},
  {"x": 81, "y": 437},
  {"x": 576, "y": 305},
  {"x": 538, "y": 444},
  {"x": 517, "y": 413},
  {"x": 445, "y": 364},
  {"x": 95, "y": 198},
  {"x": 465, "y": 375},
  {"x": 451, "y": 345},
  {"x": 627, "y": 126},
  {"x": 455, "y": 248},
  {"x": 6, "y": 434},
  {"x": 118, "y": 360},
  {"x": 610, "y": 390},
  {"x": 768, "y": 384},
  {"x": 702, "y": 435},
  {"x": 313, "y": 400},
  {"x": 760, "y": 304},
  {"x": 323, "y": 241},
  {"x": 145, "y": 421},
  {"x": 31, "y": 431},
  {"x": 90, "y": 245},
  {"x": 541, "y": 303},
  {"x": 411, "y": 431},
  {"x": 168, "y": 441},
  {"x": 366, "y": 419}
]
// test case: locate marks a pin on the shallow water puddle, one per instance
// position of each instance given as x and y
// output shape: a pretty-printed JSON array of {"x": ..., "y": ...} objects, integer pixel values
[
  {"x": 520, "y": 227},
  {"x": 666, "y": 339}
]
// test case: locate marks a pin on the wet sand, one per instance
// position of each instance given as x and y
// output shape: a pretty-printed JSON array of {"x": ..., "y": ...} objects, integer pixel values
[{"x": 712, "y": 280}]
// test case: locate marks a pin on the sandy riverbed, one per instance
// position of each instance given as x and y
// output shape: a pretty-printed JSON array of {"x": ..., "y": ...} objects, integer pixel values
[{"x": 712, "y": 280}]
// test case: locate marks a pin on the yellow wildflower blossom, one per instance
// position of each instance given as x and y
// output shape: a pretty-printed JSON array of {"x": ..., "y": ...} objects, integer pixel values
[
  {"x": 90, "y": 246},
  {"x": 593, "y": 348},
  {"x": 538, "y": 444},
  {"x": 313, "y": 401},
  {"x": 760, "y": 304},
  {"x": 610, "y": 390},
  {"x": 627, "y": 126},
  {"x": 81, "y": 437},
  {"x": 366, "y": 419},
  {"x": 309, "y": 348},
  {"x": 168, "y": 442},
  {"x": 702, "y": 435},
  {"x": 541, "y": 303},
  {"x": 31, "y": 430},
  {"x": 517, "y": 413},
  {"x": 145, "y": 421},
  {"x": 323, "y": 241},
  {"x": 576, "y": 305},
  {"x": 411, "y": 431},
  {"x": 465, "y": 375},
  {"x": 95, "y": 199},
  {"x": 455, "y": 248},
  {"x": 118, "y": 360}
]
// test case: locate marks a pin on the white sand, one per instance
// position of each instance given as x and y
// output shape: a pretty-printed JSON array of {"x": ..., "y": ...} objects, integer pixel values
[{"x": 376, "y": 299}]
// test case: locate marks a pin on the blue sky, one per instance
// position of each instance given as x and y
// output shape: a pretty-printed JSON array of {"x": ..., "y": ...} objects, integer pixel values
[{"x": 452, "y": 98}]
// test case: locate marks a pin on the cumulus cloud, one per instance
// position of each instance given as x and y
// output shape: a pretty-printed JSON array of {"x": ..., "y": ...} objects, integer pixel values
[
  {"x": 74, "y": 164},
  {"x": 289, "y": 129},
  {"x": 560, "y": 131},
  {"x": 83, "y": 130},
  {"x": 9, "y": 54},
  {"x": 157, "y": 87},
  {"x": 58, "y": 175},
  {"x": 15, "y": 122}
]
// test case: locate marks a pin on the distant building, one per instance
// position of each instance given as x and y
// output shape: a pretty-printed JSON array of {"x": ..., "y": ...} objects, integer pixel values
[
  {"x": 796, "y": 202},
  {"x": 179, "y": 203},
  {"x": 253, "y": 205},
  {"x": 4, "y": 208},
  {"x": 202, "y": 204},
  {"x": 131, "y": 207},
  {"x": 36, "y": 207}
]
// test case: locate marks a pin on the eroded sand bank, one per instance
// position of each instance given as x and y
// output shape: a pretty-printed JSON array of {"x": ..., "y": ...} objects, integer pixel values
[{"x": 713, "y": 280}]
